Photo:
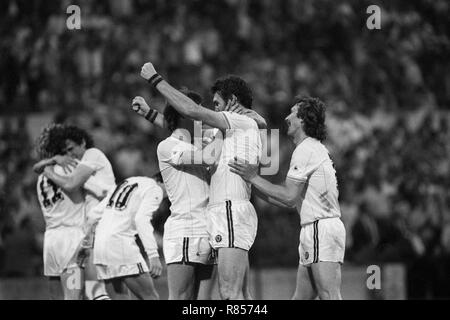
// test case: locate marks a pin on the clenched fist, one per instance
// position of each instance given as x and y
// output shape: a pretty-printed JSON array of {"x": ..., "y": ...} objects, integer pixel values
[
  {"x": 148, "y": 71},
  {"x": 140, "y": 106}
]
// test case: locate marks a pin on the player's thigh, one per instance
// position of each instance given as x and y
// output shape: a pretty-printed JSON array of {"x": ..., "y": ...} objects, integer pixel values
[
  {"x": 90, "y": 271},
  {"x": 305, "y": 287},
  {"x": 55, "y": 288},
  {"x": 72, "y": 283},
  {"x": 181, "y": 281},
  {"x": 142, "y": 286},
  {"x": 232, "y": 263},
  {"x": 206, "y": 281},
  {"x": 327, "y": 277}
]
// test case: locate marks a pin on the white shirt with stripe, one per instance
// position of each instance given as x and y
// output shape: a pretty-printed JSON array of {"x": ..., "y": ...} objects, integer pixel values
[
  {"x": 187, "y": 189},
  {"x": 241, "y": 140},
  {"x": 59, "y": 210},
  {"x": 127, "y": 212},
  {"x": 311, "y": 165}
]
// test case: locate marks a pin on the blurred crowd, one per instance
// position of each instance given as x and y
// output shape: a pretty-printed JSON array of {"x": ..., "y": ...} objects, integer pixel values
[{"x": 387, "y": 93}]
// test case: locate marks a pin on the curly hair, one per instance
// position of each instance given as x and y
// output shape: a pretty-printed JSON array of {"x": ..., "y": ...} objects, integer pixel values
[
  {"x": 52, "y": 140},
  {"x": 312, "y": 112},
  {"x": 48, "y": 144},
  {"x": 231, "y": 84},
  {"x": 78, "y": 135},
  {"x": 172, "y": 116}
]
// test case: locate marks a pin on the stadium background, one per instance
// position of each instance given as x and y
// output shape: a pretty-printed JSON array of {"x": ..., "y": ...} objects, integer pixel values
[{"x": 387, "y": 91}]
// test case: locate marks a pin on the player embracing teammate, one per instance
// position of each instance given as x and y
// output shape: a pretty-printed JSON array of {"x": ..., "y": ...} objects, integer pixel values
[{"x": 231, "y": 218}]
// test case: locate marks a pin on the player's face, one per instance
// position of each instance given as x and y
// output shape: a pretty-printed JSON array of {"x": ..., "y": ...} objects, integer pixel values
[
  {"x": 293, "y": 122},
  {"x": 75, "y": 150},
  {"x": 219, "y": 103}
]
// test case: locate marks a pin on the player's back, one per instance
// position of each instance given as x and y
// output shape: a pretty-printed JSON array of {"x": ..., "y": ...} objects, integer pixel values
[
  {"x": 60, "y": 209},
  {"x": 242, "y": 141},
  {"x": 116, "y": 229},
  {"x": 187, "y": 189}
]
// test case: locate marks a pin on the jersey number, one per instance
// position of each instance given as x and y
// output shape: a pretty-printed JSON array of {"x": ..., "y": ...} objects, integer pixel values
[
  {"x": 49, "y": 200},
  {"x": 120, "y": 197}
]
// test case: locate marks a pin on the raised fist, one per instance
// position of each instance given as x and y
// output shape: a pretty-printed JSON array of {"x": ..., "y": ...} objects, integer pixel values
[
  {"x": 148, "y": 71},
  {"x": 140, "y": 106}
]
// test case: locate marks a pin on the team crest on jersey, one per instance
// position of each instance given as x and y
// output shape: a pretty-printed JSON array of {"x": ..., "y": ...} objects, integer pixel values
[
  {"x": 218, "y": 238},
  {"x": 306, "y": 255}
]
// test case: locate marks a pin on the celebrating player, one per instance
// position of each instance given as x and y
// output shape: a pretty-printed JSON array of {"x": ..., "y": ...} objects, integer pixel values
[
  {"x": 232, "y": 220},
  {"x": 78, "y": 144},
  {"x": 126, "y": 215},
  {"x": 311, "y": 186},
  {"x": 64, "y": 214},
  {"x": 186, "y": 245}
]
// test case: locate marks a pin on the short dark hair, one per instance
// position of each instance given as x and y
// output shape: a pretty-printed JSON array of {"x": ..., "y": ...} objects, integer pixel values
[
  {"x": 52, "y": 140},
  {"x": 312, "y": 112},
  {"x": 77, "y": 135},
  {"x": 172, "y": 116},
  {"x": 231, "y": 84},
  {"x": 48, "y": 144}
]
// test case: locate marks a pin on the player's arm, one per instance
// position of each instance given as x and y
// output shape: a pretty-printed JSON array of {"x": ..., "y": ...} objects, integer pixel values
[
  {"x": 144, "y": 227},
  {"x": 269, "y": 199},
  {"x": 182, "y": 103},
  {"x": 73, "y": 182},
  {"x": 66, "y": 162},
  {"x": 141, "y": 107},
  {"x": 287, "y": 193},
  {"x": 260, "y": 121}
]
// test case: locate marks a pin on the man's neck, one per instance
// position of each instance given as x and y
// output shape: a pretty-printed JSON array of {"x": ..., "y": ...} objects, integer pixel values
[{"x": 299, "y": 138}]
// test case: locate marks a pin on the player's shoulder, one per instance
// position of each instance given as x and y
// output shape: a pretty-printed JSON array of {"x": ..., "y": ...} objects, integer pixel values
[
  {"x": 165, "y": 146},
  {"x": 239, "y": 121},
  {"x": 93, "y": 153},
  {"x": 145, "y": 184}
]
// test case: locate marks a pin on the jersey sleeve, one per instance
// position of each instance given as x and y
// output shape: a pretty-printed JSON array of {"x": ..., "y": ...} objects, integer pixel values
[
  {"x": 303, "y": 163},
  {"x": 94, "y": 159},
  {"x": 238, "y": 121},
  {"x": 176, "y": 154},
  {"x": 152, "y": 198},
  {"x": 96, "y": 186}
]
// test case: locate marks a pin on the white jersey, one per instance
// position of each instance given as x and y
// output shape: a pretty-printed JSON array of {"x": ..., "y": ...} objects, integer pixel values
[
  {"x": 311, "y": 164},
  {"x": 127, "y": 212},
  {"x": 58, "y": 208},
  {"x": 187, "y": 189},
  {"x": 104, "y": 175},
  {"x": 243, "y": 141}
]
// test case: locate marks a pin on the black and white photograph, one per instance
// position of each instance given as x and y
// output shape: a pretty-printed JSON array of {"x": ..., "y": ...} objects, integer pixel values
[{"x": 197, "y": 150}]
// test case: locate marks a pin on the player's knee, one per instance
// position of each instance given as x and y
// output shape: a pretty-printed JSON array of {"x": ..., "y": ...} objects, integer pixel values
[
  {"x": 229, "y": 290},
  {"x": 182, "y": 293},
  {"x": 329, "y": 294}
]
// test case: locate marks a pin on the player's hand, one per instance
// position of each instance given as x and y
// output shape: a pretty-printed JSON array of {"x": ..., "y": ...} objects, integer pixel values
[
  {"x": 140, "y": 106},
  {"x": 66, "y": 162},
  {"x": 237, "y": 108},
  {"x": 148, "y": 71},
  {"x": 243, "y": 168},
  {"x": 155, "y": 267}
]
